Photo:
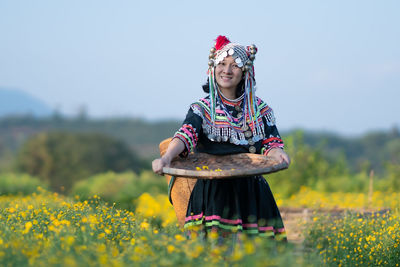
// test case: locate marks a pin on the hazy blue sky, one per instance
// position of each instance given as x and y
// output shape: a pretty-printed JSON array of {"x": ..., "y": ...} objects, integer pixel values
[{"x": 322, "y": 65}]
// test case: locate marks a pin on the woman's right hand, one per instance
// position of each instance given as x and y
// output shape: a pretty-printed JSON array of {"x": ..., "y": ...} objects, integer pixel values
[
  {"x": 159, "y": 164},
  {"x": 175, "y": 147}
]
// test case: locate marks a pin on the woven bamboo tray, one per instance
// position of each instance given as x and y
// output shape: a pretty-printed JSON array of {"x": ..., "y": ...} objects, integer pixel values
[{"x": 207, "y": 166}]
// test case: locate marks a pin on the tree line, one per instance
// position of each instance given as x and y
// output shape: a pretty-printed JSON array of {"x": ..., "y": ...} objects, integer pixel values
[{"x": 63, "y": 151}]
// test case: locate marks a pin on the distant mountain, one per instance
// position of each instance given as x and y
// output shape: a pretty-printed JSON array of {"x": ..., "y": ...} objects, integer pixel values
[{"x": 15, "y": 102}]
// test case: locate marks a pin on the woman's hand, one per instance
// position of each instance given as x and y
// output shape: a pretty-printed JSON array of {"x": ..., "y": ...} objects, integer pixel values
[
  {"x": 279, "y": 155},
  {"x": 175, "y": 147},
  {"x": 159, "y": 164}
]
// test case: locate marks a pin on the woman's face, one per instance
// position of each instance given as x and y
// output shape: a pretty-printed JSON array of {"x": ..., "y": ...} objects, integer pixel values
[{"x": 228, "y": 74}]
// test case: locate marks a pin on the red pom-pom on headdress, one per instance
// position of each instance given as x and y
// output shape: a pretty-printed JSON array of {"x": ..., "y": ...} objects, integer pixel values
[{"x": 221, "y": 41}]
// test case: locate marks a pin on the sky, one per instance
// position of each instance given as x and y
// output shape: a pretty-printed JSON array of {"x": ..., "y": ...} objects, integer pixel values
[{"x": 321, "y": 65}]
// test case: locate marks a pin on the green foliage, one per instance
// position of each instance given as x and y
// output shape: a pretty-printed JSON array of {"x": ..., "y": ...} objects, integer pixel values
[
  {"x": 343, "y": 183},
  {"x": 61, "y": 159},
  {"x": 391, "y": 183},
  {"x": 371, "y": 150},
  {"x": 141, "y": 135},
  {"x": 122, "y": 189},
  {"x": 13, "y": 184},
  {"x": 308, "y": 166},
  {"x": 315, "y": 169},
  {"x": 322, "y": 161}
]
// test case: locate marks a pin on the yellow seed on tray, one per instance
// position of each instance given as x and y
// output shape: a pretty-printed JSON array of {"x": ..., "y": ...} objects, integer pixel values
[
  {"x": 205, "y": 167},
  {"x": 218, "y": 170},
  {"x": 198, "y": 169}
]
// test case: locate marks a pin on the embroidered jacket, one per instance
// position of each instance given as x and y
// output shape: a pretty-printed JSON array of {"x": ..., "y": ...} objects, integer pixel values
[{"x": 231, "y": 132}]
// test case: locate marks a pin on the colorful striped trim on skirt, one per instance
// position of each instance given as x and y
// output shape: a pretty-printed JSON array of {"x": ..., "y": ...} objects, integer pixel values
[{"x": 235, "y": 225}]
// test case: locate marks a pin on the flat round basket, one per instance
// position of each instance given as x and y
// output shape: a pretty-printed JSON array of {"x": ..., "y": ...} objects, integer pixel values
[{"x": 207, "y": 166}]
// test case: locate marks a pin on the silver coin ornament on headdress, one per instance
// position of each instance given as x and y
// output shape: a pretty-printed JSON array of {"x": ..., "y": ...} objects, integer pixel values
[{"x": 244, "y": 56}]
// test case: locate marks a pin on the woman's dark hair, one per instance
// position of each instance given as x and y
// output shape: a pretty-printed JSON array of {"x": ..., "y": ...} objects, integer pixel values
[{"x": 239, "y": 88}]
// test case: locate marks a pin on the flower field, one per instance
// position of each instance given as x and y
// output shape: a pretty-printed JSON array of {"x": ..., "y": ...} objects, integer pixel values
[
  {"x": 357, "y": 240},
  {"x": 47, "y": 229},
  {"x": 309, "y": 198}
]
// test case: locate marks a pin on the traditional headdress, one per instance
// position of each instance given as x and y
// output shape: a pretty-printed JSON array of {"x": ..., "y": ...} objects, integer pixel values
[{"x": 244, "y": 57}]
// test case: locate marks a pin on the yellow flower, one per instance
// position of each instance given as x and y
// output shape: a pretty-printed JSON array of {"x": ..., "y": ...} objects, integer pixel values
[
  {"x": 28, "y": 226},
  {"x": 213, "y": 235},
  {"x": 11, "y": 210},
  {"x": 144, "y": 225},
  {"x": 197, "y": 251},
  {"x": 237, "y": 255},
  {"x": 170, "y": 248},
  {"x": 23, "y": 214},
  {"x": 180, "y": 238},
  {"x": 249, "y": 248},
  {"x": 101, "y": 235}
]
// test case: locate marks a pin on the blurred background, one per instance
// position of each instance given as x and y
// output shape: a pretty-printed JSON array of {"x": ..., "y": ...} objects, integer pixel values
[{"x": 88, "y": 89}]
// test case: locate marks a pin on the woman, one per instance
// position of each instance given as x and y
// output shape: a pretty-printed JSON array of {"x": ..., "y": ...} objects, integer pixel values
[{"x": 230, "y": 120}]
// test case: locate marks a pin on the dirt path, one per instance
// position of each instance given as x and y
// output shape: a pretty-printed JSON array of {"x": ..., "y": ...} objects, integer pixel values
[{"x": 295, "y": 221}]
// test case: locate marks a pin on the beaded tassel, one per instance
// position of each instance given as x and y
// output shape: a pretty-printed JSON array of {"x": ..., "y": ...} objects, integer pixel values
[
  {"x": 250, "y": 104},
  {"x": 213, "y": 94}
]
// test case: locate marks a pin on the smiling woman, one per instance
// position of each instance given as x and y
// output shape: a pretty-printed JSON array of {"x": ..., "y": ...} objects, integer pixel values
[
  {"x": 228, "y": 75},
  {"x": 230, "y": 120}
]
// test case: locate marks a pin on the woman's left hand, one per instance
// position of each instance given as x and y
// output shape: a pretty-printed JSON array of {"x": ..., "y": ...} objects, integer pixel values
[{"x": 279, "y": 155}]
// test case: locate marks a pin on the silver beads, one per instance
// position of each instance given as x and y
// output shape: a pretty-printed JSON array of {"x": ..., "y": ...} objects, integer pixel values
[
  {"x": 253, "y": 49},
  {"x": 211, "y": 57},
  {"x": 248, "y": 134}
]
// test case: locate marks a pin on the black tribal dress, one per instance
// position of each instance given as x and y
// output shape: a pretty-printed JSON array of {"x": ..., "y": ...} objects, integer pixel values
[{"x": 237, "y": 205}]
